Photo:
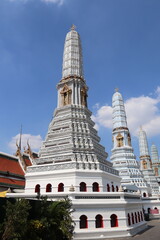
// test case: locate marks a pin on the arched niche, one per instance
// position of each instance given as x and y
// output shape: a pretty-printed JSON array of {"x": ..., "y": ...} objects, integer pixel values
[
  {"x": 119, "y": 139},
  {"x": 66, "y": 94},
  {"x": 84, "y": 96}
]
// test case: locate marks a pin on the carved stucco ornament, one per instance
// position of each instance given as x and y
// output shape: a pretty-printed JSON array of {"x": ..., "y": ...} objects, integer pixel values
[
  {"x": 84, "y": 96},
  {"x": 119, "y": 140},
  {"x": 66, "y": 95}
]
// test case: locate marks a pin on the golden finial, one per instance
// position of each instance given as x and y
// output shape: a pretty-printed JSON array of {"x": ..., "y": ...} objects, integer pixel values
[
  {"x": 116, "y": 89},
  {"x": 73, "y": 27}
]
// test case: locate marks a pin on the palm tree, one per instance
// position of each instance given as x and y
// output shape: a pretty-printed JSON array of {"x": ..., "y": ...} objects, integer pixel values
[{"x": 38, "y": 220}]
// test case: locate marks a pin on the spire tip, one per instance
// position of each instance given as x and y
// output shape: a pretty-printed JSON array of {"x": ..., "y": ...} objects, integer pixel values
[
  {"x": 73, "y": 27},
  {"x": 116, "y": 89}
]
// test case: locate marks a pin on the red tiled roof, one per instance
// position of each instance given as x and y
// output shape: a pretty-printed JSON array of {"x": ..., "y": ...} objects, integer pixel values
[
  {"x": 11, "y": 182},
  {"x": 10, "y": 164},
  {"x": 27, "y": 160}
]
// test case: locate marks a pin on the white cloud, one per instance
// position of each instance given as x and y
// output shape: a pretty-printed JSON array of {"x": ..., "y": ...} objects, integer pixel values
[
  {"x": 158, "y": 91},
  {"x": 58, "y": 2},
  {"x": 96, "y": 106},
  {"x": 143, "y": 110},
  {"x": 103, "y": 116},
  {"x": 35, "y": 142},
  {"x": 24, "y": 1}
]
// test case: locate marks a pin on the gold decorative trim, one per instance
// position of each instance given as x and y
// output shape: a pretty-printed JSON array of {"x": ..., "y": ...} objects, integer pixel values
[
  {"x": 119, "y": 139},
  {"x": 120, "y": 128},
  {"x": 84, "y": 96},
  {"x": 71, "y": 76},
  {"x": 145, "y": 156},
  {"x": 66, "y": 95}
]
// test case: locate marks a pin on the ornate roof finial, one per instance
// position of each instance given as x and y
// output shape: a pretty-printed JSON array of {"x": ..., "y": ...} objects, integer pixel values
[
  {"x": 18, "y": 152},
  {"x": 116, "y": 89},
  {"x": 28, "y": 143},
  {"x": 73, "y": 27},
  {"x": 28, "y": 150},
  {"x": 20, "y": 138}
]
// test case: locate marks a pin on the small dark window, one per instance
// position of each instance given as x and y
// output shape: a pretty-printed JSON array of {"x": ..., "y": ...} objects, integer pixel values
[
  {"x": 49, "y": 188},
  {"x": 83, "y": 221},
  {"x": 83, "y": 187},
  {"x": 95, "y": 187},
  {"x": 60, "y": 187},
  {"x": 114, "y": 220},
  {"x": 99, "y": 221},
  {"x": 132, "y": 218},
  {"x": 142, "y": 215},
  {"x": 144, "y": 194},
  {"x": 129, "y": 220},
  {"x": 136, "y": 217},
  {"x": 37, "y": 188},
  {"x": 108, "y": 188}
]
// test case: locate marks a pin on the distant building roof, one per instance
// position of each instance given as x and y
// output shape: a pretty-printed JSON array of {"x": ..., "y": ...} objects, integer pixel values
[
  {"x": 12, "y": 183},
  {"x": 11, "y": 172},
  {"x": 26, "y": 159},
  {"x": 13, "y": 167},
  {"x": 10, "y": 164}
]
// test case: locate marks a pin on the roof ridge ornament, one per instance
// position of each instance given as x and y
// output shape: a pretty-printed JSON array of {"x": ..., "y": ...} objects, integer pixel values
[{"x": 73, "y": 27}]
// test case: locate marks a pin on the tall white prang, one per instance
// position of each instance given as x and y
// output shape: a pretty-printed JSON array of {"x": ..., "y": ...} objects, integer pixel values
[
  {"x": 146, "y": 163},
  {"x": 72, "y": 162},
  {"x": 72, "y": 141},
  {"x": 123, "y": 157}
]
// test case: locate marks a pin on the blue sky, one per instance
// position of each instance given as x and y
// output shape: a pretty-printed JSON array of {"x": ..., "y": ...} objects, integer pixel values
[{"x": 120, "y": 40}]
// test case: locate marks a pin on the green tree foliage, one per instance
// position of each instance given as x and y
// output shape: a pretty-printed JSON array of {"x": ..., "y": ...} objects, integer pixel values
[
  {"x": 51, "y": 220},
  {"x": 38, "y": 220},
  {"x": 15, "y": 223}
]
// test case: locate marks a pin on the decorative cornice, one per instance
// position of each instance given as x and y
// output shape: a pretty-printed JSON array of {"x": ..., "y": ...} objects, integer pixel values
[
  {"x": 71, "y": 77},
  {"x": 145, "y": 156},
  {"x": 73, "y": 165},
  {"x": 120, "y": 128}
]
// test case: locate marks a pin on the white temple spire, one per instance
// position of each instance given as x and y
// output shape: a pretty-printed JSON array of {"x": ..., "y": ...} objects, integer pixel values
[
  {"x": 123, "y": 157},
  {"x": 72, "y": 56},
  {"x": 72, "y": 89},
  {"x": 155, "y": 162},
  {"x": 72, "y": 141},
  {"x": 143, "y": 144},
  {"x": 154, "y": 154},
  {"x": 119, "y": 114},
  {"x": 145, "y": 162}
]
